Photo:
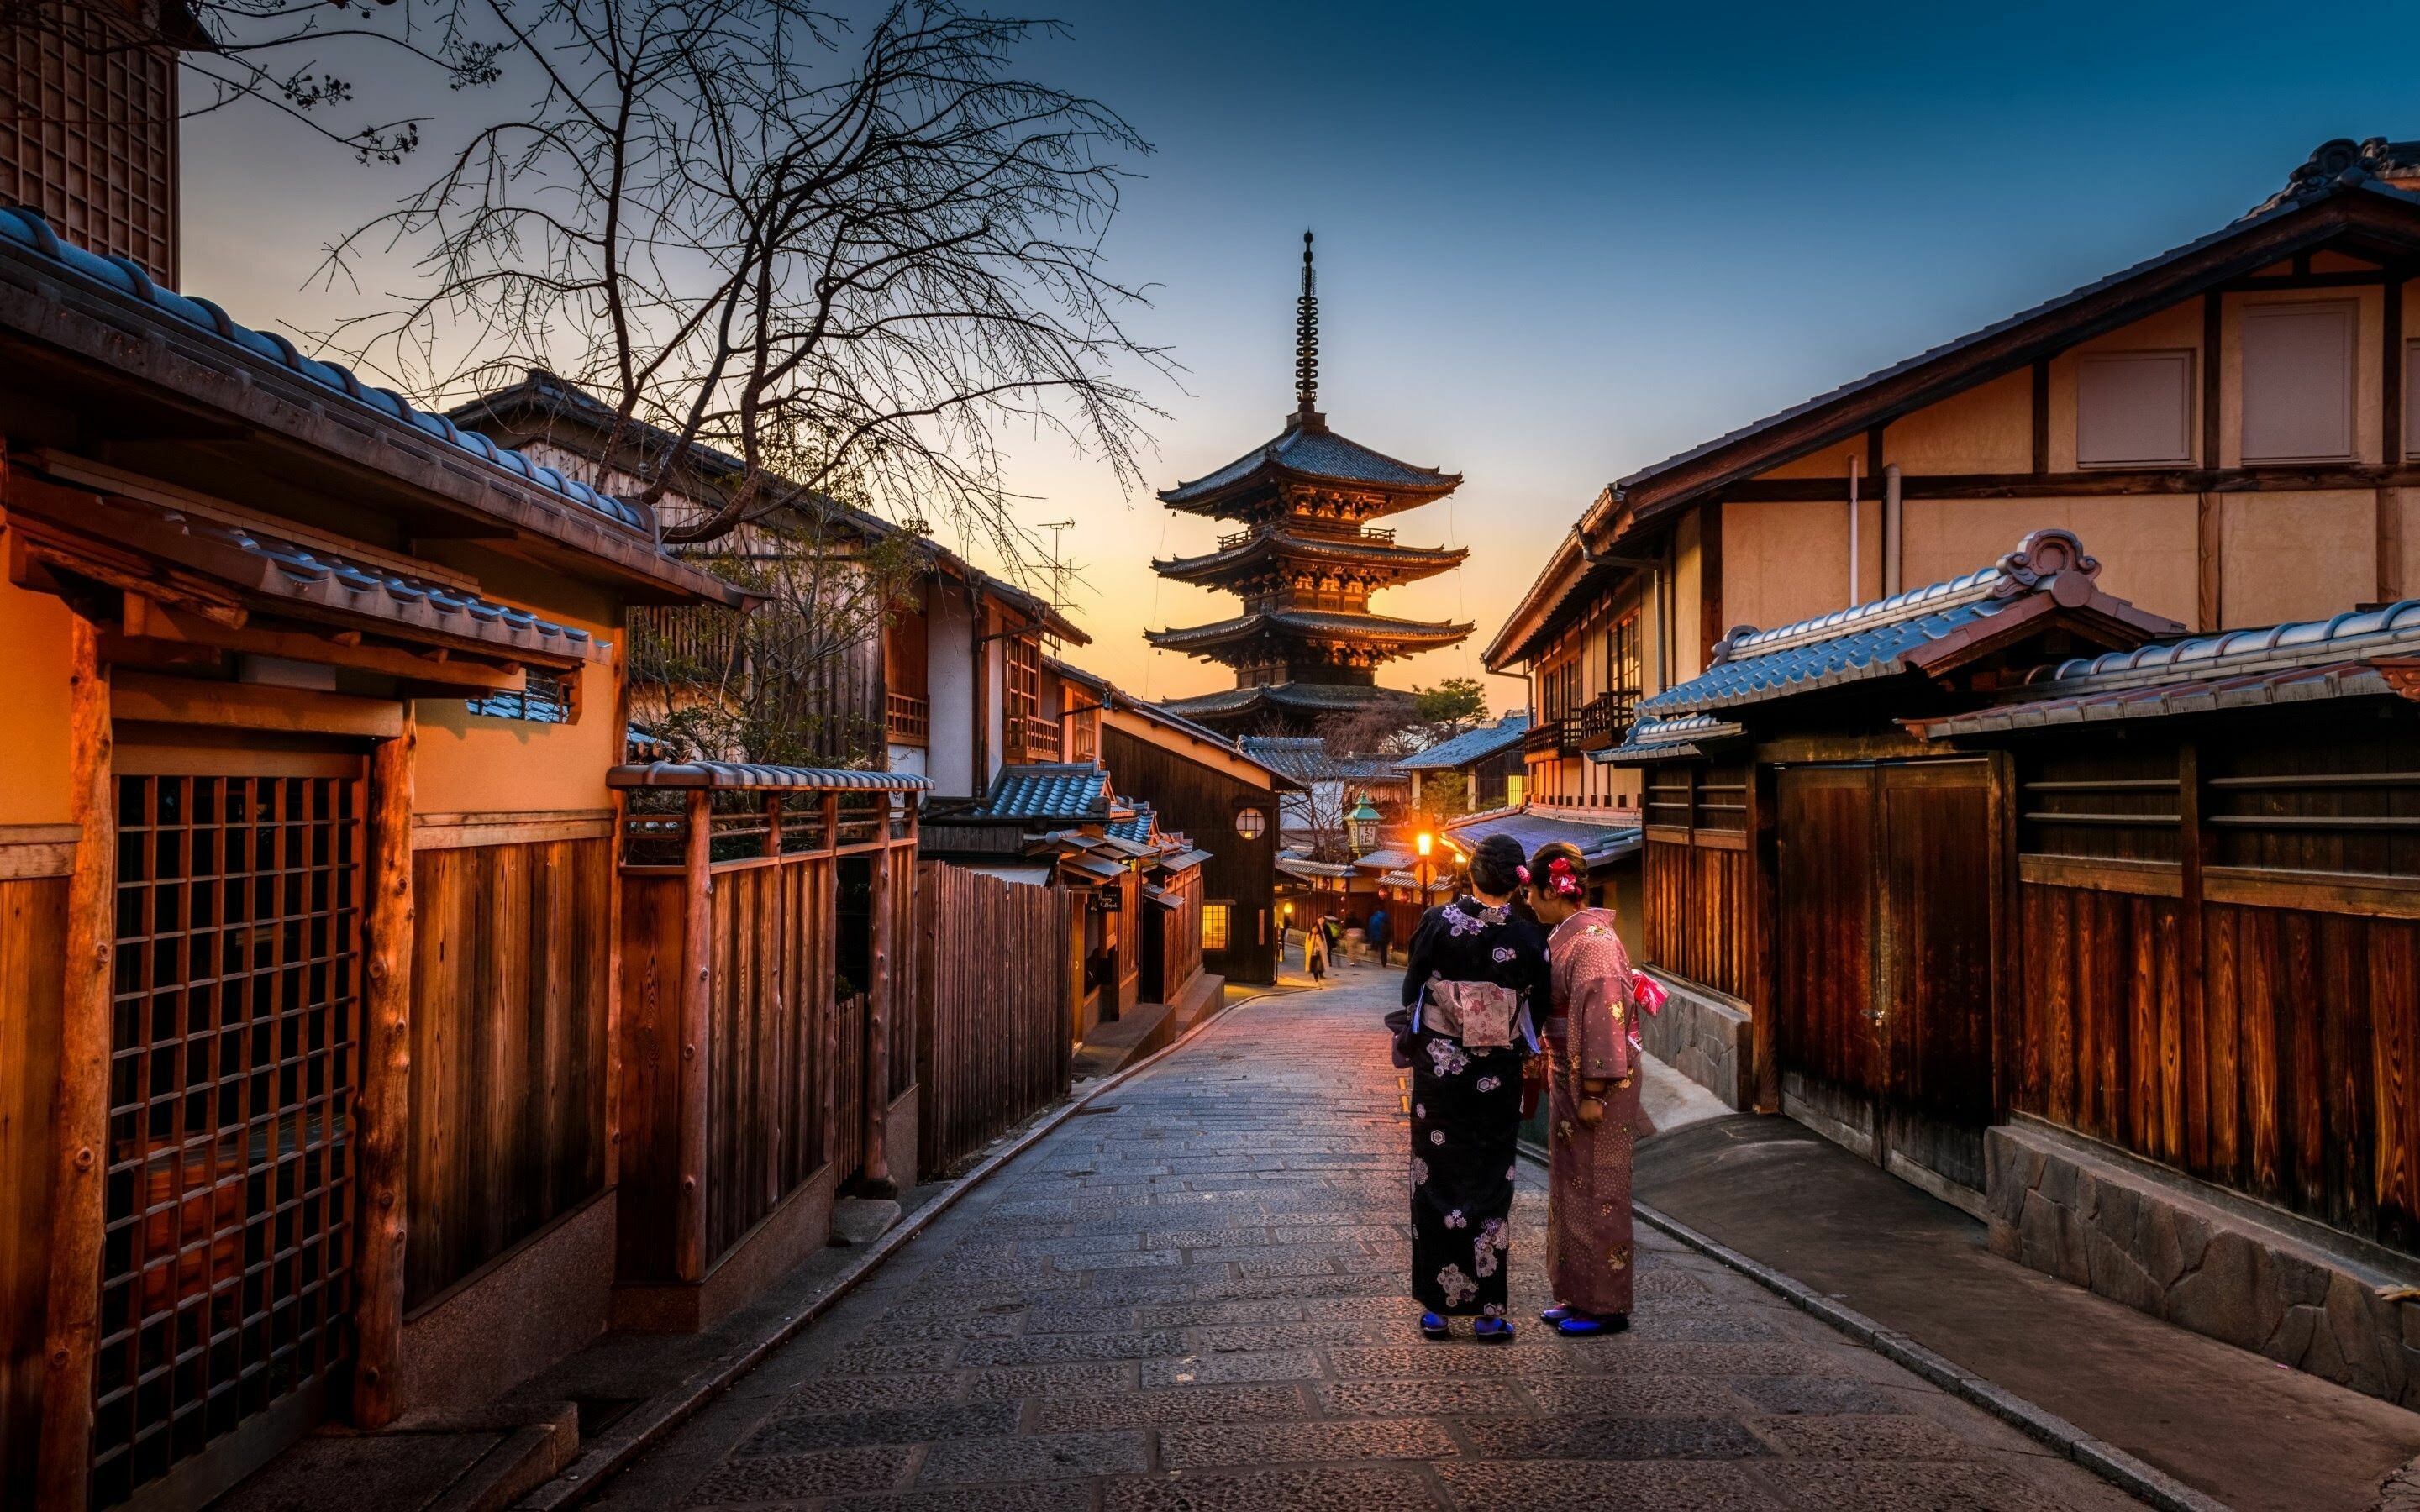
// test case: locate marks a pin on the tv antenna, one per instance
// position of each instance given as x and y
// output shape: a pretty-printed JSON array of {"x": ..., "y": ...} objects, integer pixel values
[{"x": 1058, "y": 563}]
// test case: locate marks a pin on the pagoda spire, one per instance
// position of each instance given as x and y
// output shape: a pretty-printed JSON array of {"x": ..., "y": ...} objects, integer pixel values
[{"x": 1306, "y": 346}]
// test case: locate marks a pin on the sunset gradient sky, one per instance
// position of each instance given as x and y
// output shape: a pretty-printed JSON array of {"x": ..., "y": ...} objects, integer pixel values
[{"x": 1556, "y": 242}]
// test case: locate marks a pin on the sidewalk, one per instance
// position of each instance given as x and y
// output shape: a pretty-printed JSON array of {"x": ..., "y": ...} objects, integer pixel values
[{"x": 2245, "y": 1429}]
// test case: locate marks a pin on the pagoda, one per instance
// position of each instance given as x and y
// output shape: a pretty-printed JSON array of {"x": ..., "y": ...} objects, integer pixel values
[{"x": 1305, "y": 563}]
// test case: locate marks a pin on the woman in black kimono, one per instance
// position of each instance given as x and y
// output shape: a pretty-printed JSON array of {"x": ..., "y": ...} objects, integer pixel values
[{"x": 1475, "y": 969}]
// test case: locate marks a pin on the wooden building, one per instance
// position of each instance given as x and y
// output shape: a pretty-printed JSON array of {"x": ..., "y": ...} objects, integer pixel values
[
  {"x": 1306, "y": 645},
  {"x": 312, "y": 699},
  {"x": 1488, "y": 763},
  {"x": 2230, "y": 423}
]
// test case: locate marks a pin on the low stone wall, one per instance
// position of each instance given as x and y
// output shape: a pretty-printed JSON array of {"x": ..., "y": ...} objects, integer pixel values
[
  {"x": 2200, "y": 1258},
  {"x": 1703, "y": 1037}
]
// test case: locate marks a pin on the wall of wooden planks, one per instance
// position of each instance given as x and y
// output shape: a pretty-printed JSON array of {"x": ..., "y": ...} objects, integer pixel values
[
  {"x": 33, "y": 934},
  {"x": 509, "y": 1053},
  {"x": 2221, "y": 964},
  {"x": 1179, "y": 931},
  {"x": 1696, "y": 913},
  {"x": 993, "y": 1006}
]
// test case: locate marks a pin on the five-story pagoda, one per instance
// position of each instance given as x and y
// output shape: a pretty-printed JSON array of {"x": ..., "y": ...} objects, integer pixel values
[{"x": 1304, "y": 565}]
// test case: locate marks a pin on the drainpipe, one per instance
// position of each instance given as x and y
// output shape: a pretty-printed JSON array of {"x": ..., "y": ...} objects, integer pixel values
[
  {"x": 1890, "y": 530},
  {"x": 1855, "y": 462}
]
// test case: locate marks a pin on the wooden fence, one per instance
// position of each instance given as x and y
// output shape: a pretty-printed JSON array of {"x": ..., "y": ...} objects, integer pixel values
[{"x": 993, "y": 1006}]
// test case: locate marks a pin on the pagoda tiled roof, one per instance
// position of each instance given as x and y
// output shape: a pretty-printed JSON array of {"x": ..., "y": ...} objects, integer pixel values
[
  {"x": 1289, "y": 622},
  {"x": 1404, "y": 563},
  {"x": 1309, "y": 699},
  {"x": 1309, "y": 452}
]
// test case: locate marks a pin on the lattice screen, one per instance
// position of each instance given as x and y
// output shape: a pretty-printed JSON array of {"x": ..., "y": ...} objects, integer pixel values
[{"x": 88, "y": 137}]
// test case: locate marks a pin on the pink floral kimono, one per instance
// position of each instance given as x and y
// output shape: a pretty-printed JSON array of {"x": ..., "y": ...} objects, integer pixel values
[{"x": 1595, "y": 1057}]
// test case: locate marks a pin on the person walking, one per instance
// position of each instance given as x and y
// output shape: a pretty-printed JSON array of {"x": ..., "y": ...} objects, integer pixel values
[
  {"x": 1332, "y": 931},
  {"x": 1592, "y": 1112},
  {"x": 1314, "y": 951},
  {"x": 1471, "y": 975},
  {"x": 1374, "y": 934}
]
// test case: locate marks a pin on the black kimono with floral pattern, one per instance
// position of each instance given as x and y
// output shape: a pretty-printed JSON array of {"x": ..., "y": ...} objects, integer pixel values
[{"x": 1467, "y": 1107}]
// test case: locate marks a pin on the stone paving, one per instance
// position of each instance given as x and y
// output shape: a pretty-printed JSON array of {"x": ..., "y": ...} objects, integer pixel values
[{"x": 1192, "y": 1296}]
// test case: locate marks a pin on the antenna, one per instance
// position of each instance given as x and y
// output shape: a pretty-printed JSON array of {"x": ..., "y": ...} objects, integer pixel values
[{"x": 1058, "y": 564}]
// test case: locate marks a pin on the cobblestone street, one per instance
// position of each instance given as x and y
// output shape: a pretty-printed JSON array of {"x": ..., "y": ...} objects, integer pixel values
[{"x": 1192, "y": 1295}]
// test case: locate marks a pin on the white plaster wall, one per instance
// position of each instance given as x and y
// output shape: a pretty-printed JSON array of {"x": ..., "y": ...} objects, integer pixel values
[{"x": 950, "y": 760}]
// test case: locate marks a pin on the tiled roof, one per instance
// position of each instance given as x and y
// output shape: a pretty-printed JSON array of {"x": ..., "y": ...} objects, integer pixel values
[
  {"x": 748, "y": 775},
  {"x": 2393, "y": 630},
  {"x": 1306, "y": 621},
  {"x": 1306, "y": 759},
  {"x": 1409, "y": 562},
  {"x": 1301, "y": 698},
  {"x": 1684, "y": 735},
  {"x": 2194, "y": 695},
  {"x": 1314, "y": 450},
  {"x": 1068, "y": 790},
  {"x": 28, "y": 230},
  {"x": 1597, "y": 844},
  {"x": 1135, "y": 826},
  {"x": 1307, "y": 868},
  {"x": 1471, "y": 746}
]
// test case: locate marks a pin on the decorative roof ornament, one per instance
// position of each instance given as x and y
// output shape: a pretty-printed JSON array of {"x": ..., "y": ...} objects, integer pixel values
[{"x": 1306, "y": 345}]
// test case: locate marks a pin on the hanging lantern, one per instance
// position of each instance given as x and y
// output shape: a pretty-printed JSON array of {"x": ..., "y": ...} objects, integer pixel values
[{"x": 1361, "y": 825}]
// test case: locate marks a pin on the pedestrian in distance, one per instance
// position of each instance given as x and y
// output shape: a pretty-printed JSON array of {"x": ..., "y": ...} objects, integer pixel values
[
  {"x": 1331, "y": 932},
  {"x": 1473, "y": 970},
  {"x": 1314, "y": 951},
  {"x": 1592, "y": 1112},
  {"x": 1375, "y": 933}
]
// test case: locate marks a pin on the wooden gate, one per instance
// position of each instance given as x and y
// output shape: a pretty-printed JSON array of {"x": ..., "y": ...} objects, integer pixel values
[
  {"x": 227, "y": 1248},
  {"x": 1887, "y": 926}
]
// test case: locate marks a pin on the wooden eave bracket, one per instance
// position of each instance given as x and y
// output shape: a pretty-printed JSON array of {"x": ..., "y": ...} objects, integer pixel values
[
  {"x": 148, "y": 626},
  {"x": 2402, "y": 673}
]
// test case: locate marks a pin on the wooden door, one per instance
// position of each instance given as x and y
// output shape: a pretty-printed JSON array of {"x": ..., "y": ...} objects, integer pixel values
[
  {"x": 227, "y": 1250},
  {"x": 1884, "y": 1023},
  {"x": 1826, "y": 1033}
]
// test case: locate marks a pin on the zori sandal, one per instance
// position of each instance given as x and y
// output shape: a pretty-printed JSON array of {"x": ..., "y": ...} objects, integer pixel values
[
  {"x": 1493, "y": 1331},
  {"x": 1435, "y": 1327},
  {"x": 1588, "y": 1325}
]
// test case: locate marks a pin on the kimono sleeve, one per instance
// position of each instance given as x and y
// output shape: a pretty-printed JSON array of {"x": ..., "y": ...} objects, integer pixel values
[{"x": 1419, "y": 958}]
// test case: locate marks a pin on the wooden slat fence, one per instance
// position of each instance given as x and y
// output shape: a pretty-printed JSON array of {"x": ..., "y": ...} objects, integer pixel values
[
  {"x": 1696, "y": 904},
  {"x": 993, "y": 1011}
]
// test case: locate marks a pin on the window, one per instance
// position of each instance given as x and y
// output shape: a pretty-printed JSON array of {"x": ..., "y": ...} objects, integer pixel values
[
  {"x": 1214, "y": 920},
  {"x": 2134, "y": 407},
  {"x": 2298, "y": 383},
  {"x": 1024, "y": 678},
  {"x": 1251, "y": 822},
  {"x": 1517, "y": 789},
  {"x": 546, "y": 697},
  {"x": 1622, "y": 654}
]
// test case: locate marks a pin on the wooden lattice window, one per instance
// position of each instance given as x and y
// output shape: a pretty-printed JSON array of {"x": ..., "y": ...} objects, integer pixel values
[
  {"x": 226, "y": 1256},
  {"x": 1216, "y": 919},
  {"x": 88, "y": 136},
  {"x": 1024, "y": 679},
  {"x": 1622, "y": 664}
]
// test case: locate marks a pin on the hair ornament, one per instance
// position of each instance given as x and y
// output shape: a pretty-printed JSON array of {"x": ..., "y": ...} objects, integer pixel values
[{"x": 1521, "y": 871}]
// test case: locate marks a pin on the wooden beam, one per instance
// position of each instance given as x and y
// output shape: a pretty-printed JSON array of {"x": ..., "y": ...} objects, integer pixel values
[
  {"x": 252, "y": 706},
  {"x": 2294, "y": 477},
  {"x": 697, "y": 1006},
  {"x": 1711, "y": 627},
  {"x": 2040, "y": 420},
  {"x": 79, "y": 1106},
  {"x": 1763, "y": 935},
  {"x": 2194, "y": 841},
  {"x": 147, "y": 621},
  {"x": 2213, "y": 333},
  {"x": 878, "y": 1181},
  {"x": 2393, "y": 445},
  {"x": 2209, "y": 537},
  {"x": 384, "y": 1109}
]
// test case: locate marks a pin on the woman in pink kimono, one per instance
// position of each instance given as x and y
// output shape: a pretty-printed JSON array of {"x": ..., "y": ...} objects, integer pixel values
[{"x": 1592, "y": 1100}]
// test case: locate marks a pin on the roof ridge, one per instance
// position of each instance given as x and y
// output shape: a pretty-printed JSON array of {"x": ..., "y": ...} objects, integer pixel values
[{"x": 2346, "y": 635}]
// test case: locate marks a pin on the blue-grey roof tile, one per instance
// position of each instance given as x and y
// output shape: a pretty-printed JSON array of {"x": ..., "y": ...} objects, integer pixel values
[
  {"x": 1471, "y": 746},
  {"x": 1049, "y": 790}
]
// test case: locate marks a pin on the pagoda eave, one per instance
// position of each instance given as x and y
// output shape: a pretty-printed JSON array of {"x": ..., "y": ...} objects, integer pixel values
[
  {"x": 1271, "y": 477},
  {"x": 1373, "y": 557}
]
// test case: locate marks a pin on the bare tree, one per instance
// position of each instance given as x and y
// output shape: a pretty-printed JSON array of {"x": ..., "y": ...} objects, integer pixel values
[
  {"x": 852, "y": 260},
  {"x": 275, "y": 53}
]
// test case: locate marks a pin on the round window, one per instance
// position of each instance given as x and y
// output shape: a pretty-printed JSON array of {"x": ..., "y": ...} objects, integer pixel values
[{"x": 1251, "y": 822}]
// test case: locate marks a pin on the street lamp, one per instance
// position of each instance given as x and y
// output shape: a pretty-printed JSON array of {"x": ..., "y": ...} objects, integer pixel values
[
  {"x": 1362, "y": 824},
  {"x": 1423, "y": 845}
]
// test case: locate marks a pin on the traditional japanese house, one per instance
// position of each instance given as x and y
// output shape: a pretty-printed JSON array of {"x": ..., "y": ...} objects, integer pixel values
[
  {"x": 1486, "y": 764},
  {"x": 1821, "y": 887},
  {"x": 1306, "y": 645},
  {"x": 2210, "y": 930},
  {"x": 309, "y": 979},
  {"x": 2230, "y": 423}
]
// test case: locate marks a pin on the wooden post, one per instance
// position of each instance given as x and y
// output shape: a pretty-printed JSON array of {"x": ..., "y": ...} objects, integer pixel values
[
  {"x": 618, "y": 805},
  {"x": 1763, "y": 928},
  {"x": 877, "y": 1181},
  {"x": 80, "y": 1109},
  {"x": 384, "y": 1107},
  {"x": 697, "y": 983},
  {"x": 2193, "y": 855}
]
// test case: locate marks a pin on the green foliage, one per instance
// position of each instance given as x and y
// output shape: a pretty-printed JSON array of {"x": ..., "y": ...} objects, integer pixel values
[{"x": 1452, "y": 706}]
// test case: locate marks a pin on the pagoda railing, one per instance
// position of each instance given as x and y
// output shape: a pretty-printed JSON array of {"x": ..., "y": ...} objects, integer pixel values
[
  {"x": 1605, "y": 720},
  {"x": 1370, "y": 538}
]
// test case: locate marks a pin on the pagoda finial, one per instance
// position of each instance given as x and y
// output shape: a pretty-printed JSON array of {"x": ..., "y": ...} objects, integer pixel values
[{"x": 1306, "y": 345}]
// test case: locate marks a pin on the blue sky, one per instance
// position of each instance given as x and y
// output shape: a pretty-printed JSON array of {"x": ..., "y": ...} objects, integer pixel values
[{"x": 1556, "y": 243}]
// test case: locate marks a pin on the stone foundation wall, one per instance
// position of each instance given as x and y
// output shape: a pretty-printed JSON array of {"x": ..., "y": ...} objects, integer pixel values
[
  {"x": 1702, "y": 1037},
  {"x": 2155, "y": 1241}
]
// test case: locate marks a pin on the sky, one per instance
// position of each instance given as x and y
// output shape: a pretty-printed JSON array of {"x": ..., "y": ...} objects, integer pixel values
[{"x": 1556, "y": 242}]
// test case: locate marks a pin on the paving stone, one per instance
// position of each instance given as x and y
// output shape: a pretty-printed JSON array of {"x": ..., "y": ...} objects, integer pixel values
[
  {"x": 1053, "y": 1349},
  {"x": 1358, "y": 1489},
  {"x": 1573, "y": 1436},
  {"x": 982, "y": 1324},
  {"x": 884, "y": 1359},
  {"x": 1033, "y": 1496},
  {"x": 1895, "y": 1486},
  {"x": 1191, "y": 1313},
  {"x": 1222, "y": 1369},
  {"x": 1049, "y": 1380},
  {"x": 898, "y": 1424},
  {"x": 1157, "y": 1408},
  {"x": 1637, "y": 1395},
  {"x": 1418, "y": 1398},
  {"x": 784, "y": 1477},
  {"x": 1311, "y": 1334},
  {"x": 1802, "y": 1393},
  {"x": 1859, "y": 1436},
  {"x": 1596, "y": 1486},
  {"x": 857, "y": 1394},
  {"x": 1033, "y": 1457},
  {"x": 1262, "y": 1443}
]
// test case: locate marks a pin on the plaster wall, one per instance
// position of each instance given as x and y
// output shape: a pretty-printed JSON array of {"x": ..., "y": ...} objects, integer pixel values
[
  {"x": 2148, "y": 544},
  {"x": 1989, "y": 428},
  {"x": 950, "y": 759},
  {"x": 1789, "y": 561},
  {"x": 33, "y": 632},
  {"x": 2295, "y": 556},
  {"x": 995, "y": 675}
]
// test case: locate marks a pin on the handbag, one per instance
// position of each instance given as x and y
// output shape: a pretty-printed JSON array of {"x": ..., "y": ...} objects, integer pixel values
[{"x": 1478, "y": 1013}]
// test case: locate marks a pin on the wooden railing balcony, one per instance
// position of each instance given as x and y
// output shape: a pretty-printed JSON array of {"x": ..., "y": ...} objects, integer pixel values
[
  {"x": 1087, "y": 741},
  {"x": 910, "y": 718},
  {"x": 1606, "y": 719},
  {"x": 1544, "y": 738},
  {"x": 1033, "y": 738}
]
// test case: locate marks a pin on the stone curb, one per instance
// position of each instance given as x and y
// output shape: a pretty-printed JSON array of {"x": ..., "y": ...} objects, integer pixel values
[
  {"x": 651, "y": 1422},
  {"x": 2108, "y": 1461}
]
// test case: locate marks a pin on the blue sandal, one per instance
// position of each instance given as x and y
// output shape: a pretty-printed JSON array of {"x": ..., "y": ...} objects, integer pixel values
[
  {"x": 1493, "y": 1331},
  {"x": 1554, "y": 1315},
  {"x": 1433, "y": 1327},
  {"x": 1588, "y": 1325}
]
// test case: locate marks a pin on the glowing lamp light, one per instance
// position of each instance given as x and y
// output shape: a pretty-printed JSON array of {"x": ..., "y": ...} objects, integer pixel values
[
  {"x": 1362, "y": 824},
  {"x": 1425, "y": 843}
]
